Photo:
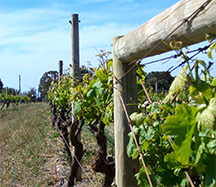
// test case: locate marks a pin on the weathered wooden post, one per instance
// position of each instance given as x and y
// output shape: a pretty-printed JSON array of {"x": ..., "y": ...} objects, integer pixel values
[
  {"x": 126, "y": 168},
  {"x": 60, "y": 69},
  {"x": 75, "y": 44},
  {"x": 75, "y": 62},
  {"x": 20, "y": 85}
]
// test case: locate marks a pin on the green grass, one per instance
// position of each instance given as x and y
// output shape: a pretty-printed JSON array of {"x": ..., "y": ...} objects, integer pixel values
[{"x": 26, "y": 143}]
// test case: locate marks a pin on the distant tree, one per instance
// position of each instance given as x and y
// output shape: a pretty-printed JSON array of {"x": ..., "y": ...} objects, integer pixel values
[
  {"x": 32, "y": 94},
  {"x": 10, "y": 91},
  {"x": 1, "y": 86},
  {"x": 45, "y": 82},
  {"x": 162, "y": 78}
]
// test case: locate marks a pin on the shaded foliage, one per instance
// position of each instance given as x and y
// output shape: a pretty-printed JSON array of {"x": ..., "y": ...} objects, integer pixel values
[
  {"x": 1, "y": 86},
  {"x": 45, "y": 83},
  {"x": 162, "y": 78}
]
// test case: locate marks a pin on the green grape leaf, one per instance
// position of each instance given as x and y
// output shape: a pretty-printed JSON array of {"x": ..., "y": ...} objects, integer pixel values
[
  {"x": 77, "y": 106},
  {"x": 199, "y": 152},
  {"x": 203, "y": 89},
  {"x": 209, "y": 52},
  {"x": 170, "y": 158},
  {"x": 109, "y": 65},
  {"x": 179, "y": 82},
  {"x": 213, "y": 83},
  {"x": 210, "y": 162},
  {"x": 98, "y": 84},
  {"x": 212, "y": 146},
  {"x": 137, "y": 118},
  {"x": 91, "y": 93},
  {"x": 182, "y": 126},
  {"x": 131, "y": 147},
  {"x": 206, "y": 117},
  {"x": 168, "y": 98}
]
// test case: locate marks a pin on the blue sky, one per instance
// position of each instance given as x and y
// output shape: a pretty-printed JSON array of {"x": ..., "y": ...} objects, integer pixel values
[{"x": 35, "y": 34}]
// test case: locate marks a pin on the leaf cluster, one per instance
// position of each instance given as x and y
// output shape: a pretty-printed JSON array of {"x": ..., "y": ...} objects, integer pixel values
[
  {"x": 178, "y": 134},
  {"x": 93, "y": 98}
]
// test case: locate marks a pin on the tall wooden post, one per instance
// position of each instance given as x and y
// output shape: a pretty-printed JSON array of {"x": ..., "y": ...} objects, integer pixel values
[
  {"x": 126, "y": 168},
  {"x": 60, "y": 68},
  {"x": 75, "y": 44},
  {"x": 75, "y": 62},
  {"x": 20, "y": 85}
]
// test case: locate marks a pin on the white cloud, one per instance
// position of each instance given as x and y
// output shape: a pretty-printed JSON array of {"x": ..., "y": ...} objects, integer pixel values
[
  {"x": 31, "y": 43},
  {"x": 33, "y": 40},
  {"x": 102, "y": 35}
]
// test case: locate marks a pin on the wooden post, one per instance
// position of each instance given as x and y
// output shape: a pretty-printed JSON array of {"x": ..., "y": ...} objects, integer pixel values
[
  {"x": 60, "y": 69},
  {"x": 75, "y": 63},
  {"x": 156, "y": 87},
  {"x": 126, "y": 168},
  {"x": 20, "y": 85},
  {"x": 75, "y": 44}
]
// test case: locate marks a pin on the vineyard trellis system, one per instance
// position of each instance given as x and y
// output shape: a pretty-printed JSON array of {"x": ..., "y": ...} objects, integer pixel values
[{"x": 172, "y": 137}]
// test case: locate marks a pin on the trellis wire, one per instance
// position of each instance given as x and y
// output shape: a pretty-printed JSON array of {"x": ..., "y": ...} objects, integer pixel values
[
  {"x": 171, "y": 69},
  {"x": 199, "y": 50}
]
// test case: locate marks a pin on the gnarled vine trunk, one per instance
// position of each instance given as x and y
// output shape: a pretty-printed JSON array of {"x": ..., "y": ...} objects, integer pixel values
[
  {"x": 63, "y": 125},
  {"x": 102, "y": 163},
  {"x": 78, "y": 150}
]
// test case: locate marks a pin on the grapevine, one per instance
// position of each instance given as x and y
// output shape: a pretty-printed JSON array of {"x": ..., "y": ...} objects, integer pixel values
[
  {"x": 176, "y": 132},
  {"x": 177, "y": 135},
  {"x": 92, "y": 100},
  {"x": 7, "y": 100}
]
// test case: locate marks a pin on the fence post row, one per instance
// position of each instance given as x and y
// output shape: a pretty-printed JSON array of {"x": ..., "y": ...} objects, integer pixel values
[
  {"x": 75, "y": 62},
  {"x": 185, "y": 21}
]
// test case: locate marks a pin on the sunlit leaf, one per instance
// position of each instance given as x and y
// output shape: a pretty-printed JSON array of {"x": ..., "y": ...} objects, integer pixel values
[
  {"x": 209, "y": 52},
  {"x": 206, "y": 117},
  {"x": 182, "y": 126},
  {"x": 131, "y": 147},
  {"x": 179, "y": 82},
  {"x": 137, "y": 118}
]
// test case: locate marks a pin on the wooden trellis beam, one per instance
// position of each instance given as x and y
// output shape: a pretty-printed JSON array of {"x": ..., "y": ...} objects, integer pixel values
[{"x": 196, "y": 20}]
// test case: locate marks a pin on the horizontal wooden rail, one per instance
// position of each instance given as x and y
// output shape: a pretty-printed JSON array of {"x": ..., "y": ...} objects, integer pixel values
[{"x": 187, "y": 21}]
